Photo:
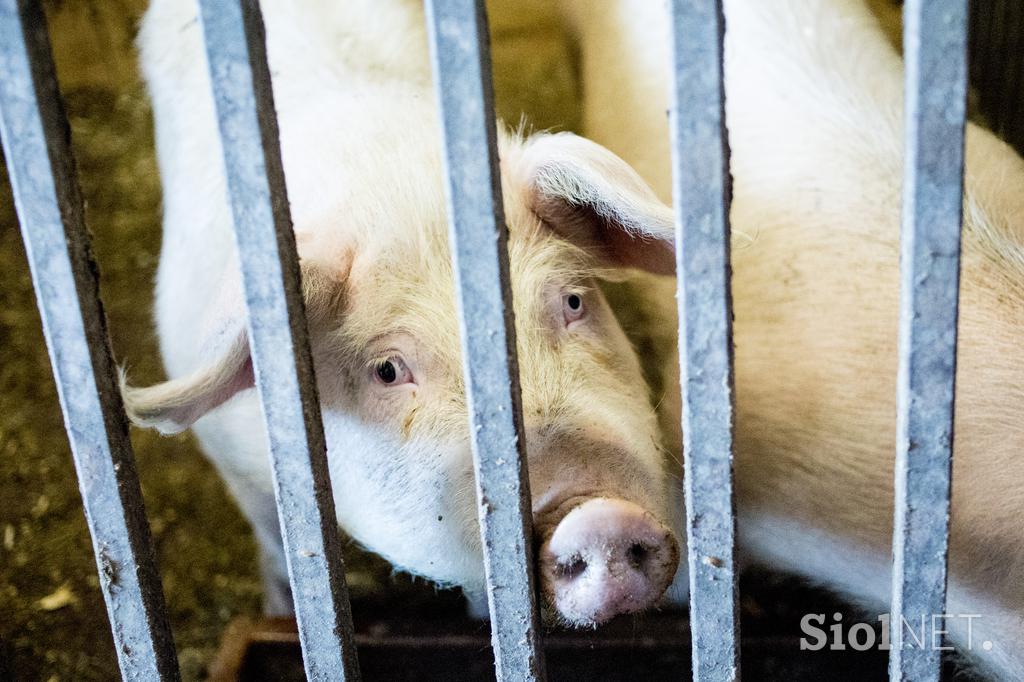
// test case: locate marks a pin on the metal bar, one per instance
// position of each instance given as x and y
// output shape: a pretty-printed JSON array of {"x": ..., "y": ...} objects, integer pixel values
[
  {"x": 701, "y": 193},
  {"x": 935, "y": 44},
  {"x": 236, "y": 51},
  {"x": 462, "y": 75},
  {"x": 36, "y": 142}
]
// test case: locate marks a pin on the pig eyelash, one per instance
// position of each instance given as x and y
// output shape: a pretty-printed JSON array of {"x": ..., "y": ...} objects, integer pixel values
[
  {"x": 573, "y": 307},
  {"x": 391, "y": 371}
]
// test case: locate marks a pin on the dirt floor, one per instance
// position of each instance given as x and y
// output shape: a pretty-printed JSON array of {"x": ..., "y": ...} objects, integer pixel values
[{"x": 53, "y": 624}]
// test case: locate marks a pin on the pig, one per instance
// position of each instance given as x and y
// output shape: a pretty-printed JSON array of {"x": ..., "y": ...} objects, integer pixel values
[
  {"x": 360, "y": 141},
  {"x": 814, "y": 98}
]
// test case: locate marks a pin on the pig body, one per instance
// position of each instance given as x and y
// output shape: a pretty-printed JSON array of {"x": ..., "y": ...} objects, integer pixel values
[
  {"x": 814, "y": 112},
  {"x": 360, "y": 144}
]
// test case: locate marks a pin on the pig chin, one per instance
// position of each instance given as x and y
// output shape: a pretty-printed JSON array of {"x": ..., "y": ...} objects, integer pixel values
[{"x": 606, "y": 557}]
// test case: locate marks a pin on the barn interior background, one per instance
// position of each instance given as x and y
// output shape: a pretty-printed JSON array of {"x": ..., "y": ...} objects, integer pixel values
[{"x": 53, "y": 623}]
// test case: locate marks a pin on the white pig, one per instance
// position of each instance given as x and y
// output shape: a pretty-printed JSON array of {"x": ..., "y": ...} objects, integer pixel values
[
  {"x": 814, "y": 112},
  {"x": 361, "y": 146}
]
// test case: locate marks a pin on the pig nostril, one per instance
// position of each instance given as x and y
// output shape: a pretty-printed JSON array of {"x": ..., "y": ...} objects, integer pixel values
[
  {"x": 572, "y": 568},
  {"x": 637, "y": 555}
]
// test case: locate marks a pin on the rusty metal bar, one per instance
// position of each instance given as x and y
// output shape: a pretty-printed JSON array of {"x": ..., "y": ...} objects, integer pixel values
[
  {"x": 236, "y": 51},
  {"x": 701, "y": 193},
  {"x": 935, "y": 44},
  {"x": 462, "y": 74},
  {"x": 36, "y": 142}
]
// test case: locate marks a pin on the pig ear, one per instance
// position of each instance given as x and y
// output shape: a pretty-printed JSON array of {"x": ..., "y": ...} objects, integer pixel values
[
  {"x": 596, "y": 200},
  {"x": 173, "y": 406}
]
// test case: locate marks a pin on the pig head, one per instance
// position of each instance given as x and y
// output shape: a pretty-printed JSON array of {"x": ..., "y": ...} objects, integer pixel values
[{"x": 384, "y": 331}]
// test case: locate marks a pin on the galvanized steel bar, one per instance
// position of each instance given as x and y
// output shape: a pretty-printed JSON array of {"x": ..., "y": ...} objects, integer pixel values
[
  {"x": 935, "y": 44},
  {"x": 462, "y": 75},
  {"x": 236, "y": 51},
  {"x": 36, "y": 142},
  {"x": 701, "y": 193}
]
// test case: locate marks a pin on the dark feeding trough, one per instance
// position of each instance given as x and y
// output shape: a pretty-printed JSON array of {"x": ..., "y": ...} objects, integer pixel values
[{"x": 433, "y": 639}]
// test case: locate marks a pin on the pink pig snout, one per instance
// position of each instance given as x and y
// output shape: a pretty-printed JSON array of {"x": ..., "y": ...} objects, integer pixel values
[{"x": 605, "y": 558}]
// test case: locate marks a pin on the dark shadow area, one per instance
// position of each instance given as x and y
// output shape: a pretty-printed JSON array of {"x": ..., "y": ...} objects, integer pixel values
[{"x": 433, "y": 640}]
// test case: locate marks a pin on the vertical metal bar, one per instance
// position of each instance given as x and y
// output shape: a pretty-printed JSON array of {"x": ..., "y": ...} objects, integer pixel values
[
  {"x": 236, "y": 51},
  {"x": 701, "y": 193},
  {"x": 462, "y": 74},
  {"x": 36, "y": 142},
  {"x": 935, "y": 43}
]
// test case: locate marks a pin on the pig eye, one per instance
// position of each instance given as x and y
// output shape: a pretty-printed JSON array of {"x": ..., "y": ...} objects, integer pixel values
[
  {"x": 391, "y": 371},
  {"x": 572, "y": 307}
]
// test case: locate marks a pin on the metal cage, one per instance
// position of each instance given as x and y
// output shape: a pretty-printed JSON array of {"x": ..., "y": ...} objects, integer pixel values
[{"x": 49, "y": 205}]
